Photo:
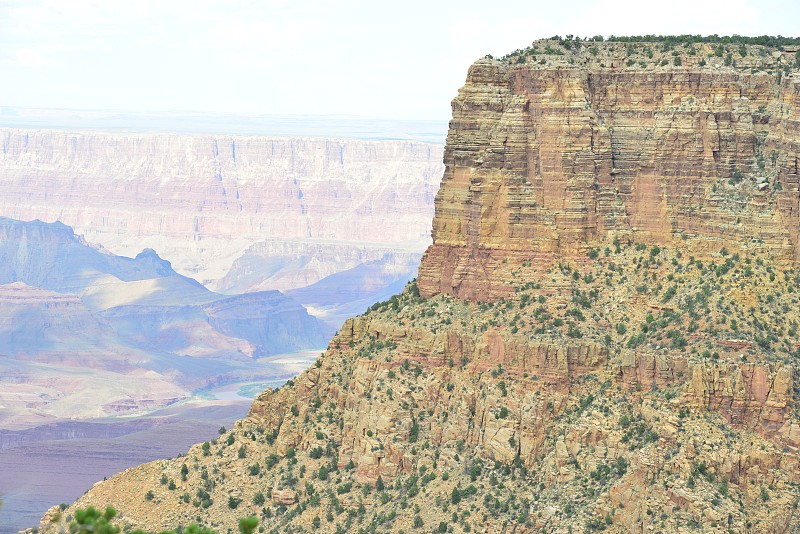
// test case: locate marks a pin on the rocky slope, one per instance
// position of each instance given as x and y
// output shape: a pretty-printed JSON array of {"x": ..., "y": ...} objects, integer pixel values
[
  {"x": 604, "y": 335},
  {"x": 202, "y": 201}
]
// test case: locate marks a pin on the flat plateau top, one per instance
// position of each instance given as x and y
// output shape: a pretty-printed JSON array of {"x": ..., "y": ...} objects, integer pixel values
[{"x": 743, "y": 55}]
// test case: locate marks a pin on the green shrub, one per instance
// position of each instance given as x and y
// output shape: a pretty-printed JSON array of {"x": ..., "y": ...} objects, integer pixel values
[
  {"x": 92, "y": 521},
  {"x": 247, "y": 525},
  {"x": 322, "y": 474},
  {"x": 413, "y": 434}
]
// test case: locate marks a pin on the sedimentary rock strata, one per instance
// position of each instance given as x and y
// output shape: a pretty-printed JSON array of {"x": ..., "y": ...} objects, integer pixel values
[
  {"x": 201, "y": 201},
  {"x": 604, "y": 334},
  {"x": 542, "y": 161}
]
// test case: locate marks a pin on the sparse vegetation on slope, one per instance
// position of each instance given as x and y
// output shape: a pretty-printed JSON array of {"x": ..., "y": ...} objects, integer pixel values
[{"x": 508, "y": 418}]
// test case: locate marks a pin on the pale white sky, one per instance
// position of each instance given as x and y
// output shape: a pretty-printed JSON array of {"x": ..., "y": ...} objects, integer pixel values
[{"x": 351, "y": 57}]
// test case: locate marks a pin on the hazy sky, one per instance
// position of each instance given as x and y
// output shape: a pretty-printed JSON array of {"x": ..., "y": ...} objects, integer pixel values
[{"x": 370, "y": 58}]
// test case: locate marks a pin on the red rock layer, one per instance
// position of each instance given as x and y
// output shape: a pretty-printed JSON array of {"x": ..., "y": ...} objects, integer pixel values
[{"x": 545, "y": 162}]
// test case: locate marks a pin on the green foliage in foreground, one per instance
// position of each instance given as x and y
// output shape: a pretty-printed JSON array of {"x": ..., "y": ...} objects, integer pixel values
[{"x": 92, "y": 521}]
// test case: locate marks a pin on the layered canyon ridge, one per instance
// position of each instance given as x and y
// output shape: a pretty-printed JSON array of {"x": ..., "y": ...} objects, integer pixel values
[
  {"x": 236, "y": 213},
  {"x": 603, "y": 336}
]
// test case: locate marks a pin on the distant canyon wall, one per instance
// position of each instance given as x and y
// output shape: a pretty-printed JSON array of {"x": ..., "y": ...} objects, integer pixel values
[{"x": 202, "y": 201}]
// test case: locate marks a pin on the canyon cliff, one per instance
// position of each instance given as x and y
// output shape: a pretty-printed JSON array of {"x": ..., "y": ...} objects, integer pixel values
[
  {"x": 544, "y": 162},
  {"x": 603, "y": 336},
  {"x": 204, "y": 202}
]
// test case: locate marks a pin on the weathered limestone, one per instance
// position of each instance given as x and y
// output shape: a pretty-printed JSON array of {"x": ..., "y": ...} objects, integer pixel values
[{"x": 542, "y": 161}]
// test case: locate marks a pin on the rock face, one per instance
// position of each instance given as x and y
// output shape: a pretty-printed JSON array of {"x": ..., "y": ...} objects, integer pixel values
[
  {"x": 202, "y": 201},
  {"x": 604, "y": 335},
  {"x": 545, "y": 160}
]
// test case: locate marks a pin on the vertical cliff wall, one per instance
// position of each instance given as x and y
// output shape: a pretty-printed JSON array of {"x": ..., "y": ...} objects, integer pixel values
[{"x": 544, "y": 161}]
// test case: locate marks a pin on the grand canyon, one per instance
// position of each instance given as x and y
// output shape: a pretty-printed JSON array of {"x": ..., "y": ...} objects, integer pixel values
[{"x": 602, "y": 336}]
